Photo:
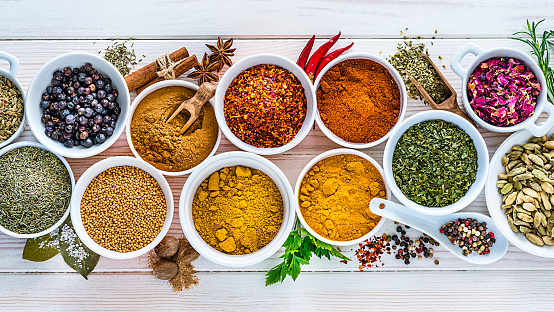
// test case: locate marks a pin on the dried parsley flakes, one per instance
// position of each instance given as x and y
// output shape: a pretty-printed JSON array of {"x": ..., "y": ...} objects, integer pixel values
[{"x": 434, "y": 163}]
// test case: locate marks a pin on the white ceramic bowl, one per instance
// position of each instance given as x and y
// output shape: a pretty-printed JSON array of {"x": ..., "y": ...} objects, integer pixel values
[
  {"x": 142, "y": 95},
  {"x": 481, "y": 56},
  {"x": 399, "y": 82},
  {"x": 218, "y": 162},
  {"x": 494, "y": 199},
  {"x": 246, "y": 63},
  {"x": 84, "y": 182},
  {"x": 42, "y": 80},
  {"x": 482, "y": 161},
  {"x": 62, "y": 219},
  {"x": 11, "y": 74},
  {"x": 340, "y": 151}
]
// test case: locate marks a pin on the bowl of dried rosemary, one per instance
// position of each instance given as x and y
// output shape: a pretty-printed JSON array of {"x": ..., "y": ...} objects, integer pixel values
[{"x": 12, "y": 100}]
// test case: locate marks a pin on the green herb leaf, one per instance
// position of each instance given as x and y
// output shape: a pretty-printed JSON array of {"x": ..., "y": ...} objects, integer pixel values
[
  {"x": 78, "y": 256},
  {"x": 41, "y": 248}
]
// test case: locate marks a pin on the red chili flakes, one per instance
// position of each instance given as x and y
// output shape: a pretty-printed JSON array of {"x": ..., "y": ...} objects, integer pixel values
[
  {"x": 370, "y": 251},
  {"x": 265, "y": 106}
]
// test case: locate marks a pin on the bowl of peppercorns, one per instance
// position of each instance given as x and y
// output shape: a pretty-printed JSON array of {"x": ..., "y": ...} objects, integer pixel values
[{"x": 77, "y": 104}]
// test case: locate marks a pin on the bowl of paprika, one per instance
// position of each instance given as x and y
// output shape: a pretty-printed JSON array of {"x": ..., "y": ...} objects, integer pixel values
[{"x": 361, "y": 99}]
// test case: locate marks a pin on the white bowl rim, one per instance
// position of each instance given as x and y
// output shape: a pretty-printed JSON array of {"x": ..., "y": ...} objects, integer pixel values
[
  {"x": 135, "y": 104},
  {"x": 397, "y": 78},
  {"x": 478, "y": 141},
  {"x": 123, "y": 99},
  {"x": 491, "y": 197},
  {"x": 93, "y": 172},
  {"x": 19, "y": 130},
  {"x": 314, "y": 161},
  {"x": 259, "y": 59},
  {"x": 198, "y": 176},
  {"x": 71, "y": 176}
]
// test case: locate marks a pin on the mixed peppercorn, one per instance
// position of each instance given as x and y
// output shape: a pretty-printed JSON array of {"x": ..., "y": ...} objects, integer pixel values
[
  {"x": 470, "y": 235},
  {"x": 408, "y": 249}
]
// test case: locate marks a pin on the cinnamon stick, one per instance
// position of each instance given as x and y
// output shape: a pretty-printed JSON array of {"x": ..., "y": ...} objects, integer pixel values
[
  {"x": 148, "y": 72},
  {"x": 180, "y": 69}
]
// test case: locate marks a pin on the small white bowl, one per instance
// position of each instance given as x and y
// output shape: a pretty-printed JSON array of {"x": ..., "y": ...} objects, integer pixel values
[
  {"x": 84, "y": 182},
  {"x": 399, "y": 82},
  {"x": 251, "y": 61},
  {"x": 482, "y": 161},
  {"x": 494, "y": 199},
  {"x": 42, "y": 80},
  {"x": 11, "y": 74},
  {"x": 62, "y": 219},
  {"x": 480, "y": 56},
  {"x": 313, "y": 162},
  {"x": 218, "y": 162},
  {"x": 142, "y": 95}
]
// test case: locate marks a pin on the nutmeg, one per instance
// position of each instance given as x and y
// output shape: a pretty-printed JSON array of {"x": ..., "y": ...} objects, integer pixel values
[
  {"x": 168, "y": 247},
  {"x": 165, "y": 270}
]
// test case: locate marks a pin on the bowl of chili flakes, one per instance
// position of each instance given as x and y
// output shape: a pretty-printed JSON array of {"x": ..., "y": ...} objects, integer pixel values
[{"x": 265, "y": 104}]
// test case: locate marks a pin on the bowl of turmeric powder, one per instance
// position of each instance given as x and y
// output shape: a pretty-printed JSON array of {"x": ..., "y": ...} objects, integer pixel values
[
  {"x": 333, "y": 193},
  {"x": 361, "y": 98},
  {"x": 236, "y": 209}
]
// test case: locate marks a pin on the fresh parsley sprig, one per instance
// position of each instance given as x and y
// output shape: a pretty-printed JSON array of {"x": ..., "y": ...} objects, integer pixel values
[
  {"x": 540, "y": 47},
  {"x": 299, "y": 248}
]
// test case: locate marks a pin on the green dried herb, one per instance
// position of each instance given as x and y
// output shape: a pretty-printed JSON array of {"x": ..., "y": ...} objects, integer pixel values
[
  {"x": 11, "y": 108},
  {"x": 122, "y": 57},
  {"x": 434, "y": 163},
  {"x": 408, "y": 58},
  {"x": 36, "y": 190}
]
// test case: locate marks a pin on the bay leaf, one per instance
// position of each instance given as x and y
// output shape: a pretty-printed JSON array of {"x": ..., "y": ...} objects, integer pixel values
[
  {"x": 78, "y": 256},
  {"x": 41, "y": 248}
]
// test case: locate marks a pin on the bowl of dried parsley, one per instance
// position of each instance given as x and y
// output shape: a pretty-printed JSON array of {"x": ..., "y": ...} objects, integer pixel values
[
  {"x": 436, "y": 162},
  {"x": 265, "y": 104}
]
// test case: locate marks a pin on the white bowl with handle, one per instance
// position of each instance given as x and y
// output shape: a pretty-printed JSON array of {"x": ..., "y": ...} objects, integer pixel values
[{"x": 11, "y": 74}]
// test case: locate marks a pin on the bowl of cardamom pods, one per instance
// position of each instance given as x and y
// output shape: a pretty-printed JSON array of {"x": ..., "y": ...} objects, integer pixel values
[
  {"x": 12, "y": 100},
  {"x": 520, "y": 191}
]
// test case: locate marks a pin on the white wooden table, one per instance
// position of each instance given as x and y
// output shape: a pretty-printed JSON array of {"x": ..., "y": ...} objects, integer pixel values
[{"x": 36, "y": 31}]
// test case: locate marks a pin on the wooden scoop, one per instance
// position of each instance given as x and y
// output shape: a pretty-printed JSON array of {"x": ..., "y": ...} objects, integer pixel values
[
  {"x": 450, "y": 103},
  {"x": 194, "y": 104}
]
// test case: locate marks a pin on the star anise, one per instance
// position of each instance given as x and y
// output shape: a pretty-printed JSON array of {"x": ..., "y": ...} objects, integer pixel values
[
  {"x": 204, "y": 71},
  {"x": 221, "y": 54}
]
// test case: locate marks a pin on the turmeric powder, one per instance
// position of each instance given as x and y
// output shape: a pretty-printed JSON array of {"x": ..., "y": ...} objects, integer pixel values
[
  {"x": 237, "y": 210},
  {"x": 335, "y": 194}
]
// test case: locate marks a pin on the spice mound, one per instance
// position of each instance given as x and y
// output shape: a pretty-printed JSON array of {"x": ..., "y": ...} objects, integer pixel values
[
  {"x": 79, "y": 107},
  {"x": 335, "y": 194},
  {"x": 36, "y": 190},
  {"x": 237, "y": 210},
  {"x": 470, "y": 235},
  {"x": 434, "y": 163},
  {"x": 503, "y": 91},
  {"x": 123, "y": 209},
  {"x": 11, "y": 108},
  {"x": 159, "y": 143},
  {"x": 265, "y": 106},
  {"x": 527, "y": 189},
  {"x": 358, "y": 100}
]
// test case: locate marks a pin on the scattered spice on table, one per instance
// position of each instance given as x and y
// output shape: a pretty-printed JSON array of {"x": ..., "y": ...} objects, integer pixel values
[
  {"x": 80, "y": 107},
  {"x": 265, "y": 106},
  {"x": 335, "y": 194},
  {"x": 527, "y": 189},
  {"x": 36, "y": 190},
  {"x": 358, "y": 100},
  {"x": 122, "y": 57},
  {"x": 237, "y": 210},
  {"x": 434, "y": 163},
  {"x": 408, "y": 58},
  {"x": 221, "y": 54},
  {"x": 159, "y": 143},
  {"x": 406, "y": 248},
  {"x": 11, "y": 108},
  {"x": 470, "y": 235},
  {"x": 123, "y": 209},
  {"x": 503, "y": 91},
  {"x": 369, "y": 252}
]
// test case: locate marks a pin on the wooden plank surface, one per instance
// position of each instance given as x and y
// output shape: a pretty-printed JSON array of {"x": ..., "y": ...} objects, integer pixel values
[{"x": 278, "y": 27}]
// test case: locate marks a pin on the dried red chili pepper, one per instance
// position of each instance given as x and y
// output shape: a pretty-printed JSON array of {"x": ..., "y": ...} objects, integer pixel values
[
  {"x": 319, "y": 55},
  {"x": 331, "y": 56},
  {"x": 303, "y": 57}
]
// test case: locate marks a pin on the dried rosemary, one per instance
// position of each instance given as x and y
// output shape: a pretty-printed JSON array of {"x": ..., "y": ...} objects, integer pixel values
[
  {"x": 11, "y": 108},
  {"x": 122, "y": 57},
  {"x": 36, "y": 190}
]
